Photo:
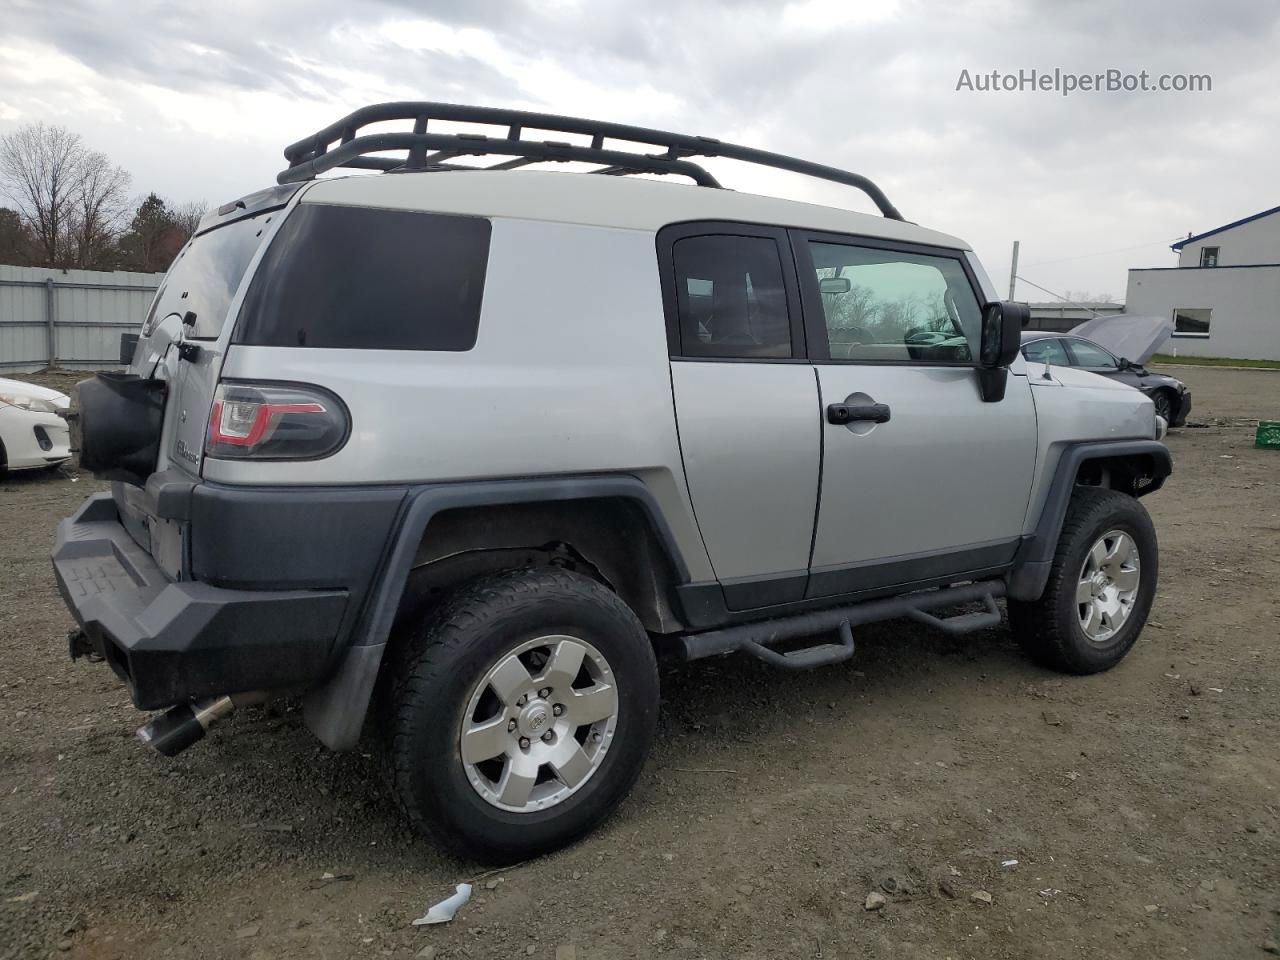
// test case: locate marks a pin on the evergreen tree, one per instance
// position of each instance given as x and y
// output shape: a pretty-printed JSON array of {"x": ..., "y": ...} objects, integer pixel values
[
  {"x": 16, "y": 243},
  {"x": 153, "y": 239}
]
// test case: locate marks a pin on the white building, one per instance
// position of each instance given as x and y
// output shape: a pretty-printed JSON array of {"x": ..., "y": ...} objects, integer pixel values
[{"x": 1224, "y": 294}]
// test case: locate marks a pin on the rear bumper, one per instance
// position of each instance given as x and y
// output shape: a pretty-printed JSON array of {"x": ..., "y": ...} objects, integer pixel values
[{"x": 173, "y": 641}]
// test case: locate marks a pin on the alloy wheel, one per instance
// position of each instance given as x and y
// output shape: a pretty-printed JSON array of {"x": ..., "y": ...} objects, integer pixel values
[
  {"x": 1108, "y": 585},
  {"x": 538, "y": 724}
]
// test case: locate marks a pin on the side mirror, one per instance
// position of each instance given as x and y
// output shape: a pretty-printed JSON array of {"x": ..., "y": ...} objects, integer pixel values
[
  {"x": 1001, "y": 333},
  {"x": 1002, "y": 324}
]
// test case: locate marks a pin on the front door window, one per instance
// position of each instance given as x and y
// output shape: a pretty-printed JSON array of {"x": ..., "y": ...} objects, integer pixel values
[{"x": 886, "y": 305}]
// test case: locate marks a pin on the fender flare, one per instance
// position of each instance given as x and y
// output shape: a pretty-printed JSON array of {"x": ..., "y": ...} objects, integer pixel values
[
  {"x": 1031, "y": 565},
  {"x": 335, "y": 711}
]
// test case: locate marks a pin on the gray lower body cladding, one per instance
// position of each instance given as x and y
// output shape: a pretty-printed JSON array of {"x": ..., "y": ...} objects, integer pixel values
[
  {"x": 271, "y": 588},
  {"x": 1035, "y": 555},
  {"x": 176, "y": 641},
  {"x": 280, "y": 588},
  {"x": 296, "y": 588}
]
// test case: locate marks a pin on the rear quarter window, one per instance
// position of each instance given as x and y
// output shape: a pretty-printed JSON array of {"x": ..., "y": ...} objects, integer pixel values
[
  {"x": 368, "y": 279},
  {"x": 204, "y": 277}
]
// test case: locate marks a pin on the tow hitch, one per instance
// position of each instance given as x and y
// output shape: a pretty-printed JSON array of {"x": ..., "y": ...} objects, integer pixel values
[{"x": 79, "y": 645}]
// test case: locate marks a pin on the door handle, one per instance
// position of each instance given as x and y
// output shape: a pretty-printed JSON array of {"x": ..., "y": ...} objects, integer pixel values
[{"x": 842, "y": 413}]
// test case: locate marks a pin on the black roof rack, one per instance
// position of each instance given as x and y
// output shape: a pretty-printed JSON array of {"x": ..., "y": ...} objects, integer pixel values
[{"x": 342, "y": 145}]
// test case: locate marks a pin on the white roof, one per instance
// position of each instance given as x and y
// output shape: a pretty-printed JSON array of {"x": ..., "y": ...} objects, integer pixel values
[{"x": 605, "y": 201}]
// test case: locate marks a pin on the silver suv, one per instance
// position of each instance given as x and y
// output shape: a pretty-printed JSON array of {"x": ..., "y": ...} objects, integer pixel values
[{"x": 462, "y": 453}]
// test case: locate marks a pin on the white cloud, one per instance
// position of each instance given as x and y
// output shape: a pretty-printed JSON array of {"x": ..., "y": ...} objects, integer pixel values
[
  {"x": 827, "y": 14},
  {"x": 197, "y": 100}
]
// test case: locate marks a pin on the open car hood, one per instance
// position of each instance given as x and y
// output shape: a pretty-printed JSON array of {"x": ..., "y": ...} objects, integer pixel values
[{"x": 1133, "y": 338}]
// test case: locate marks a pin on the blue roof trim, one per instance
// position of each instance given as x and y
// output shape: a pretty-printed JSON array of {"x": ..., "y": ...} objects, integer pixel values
[{"x": 1209, "y": 233}]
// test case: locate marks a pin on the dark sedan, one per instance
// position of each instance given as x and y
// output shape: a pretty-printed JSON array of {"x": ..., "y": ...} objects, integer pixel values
[{"x": 1171, "y": 397}]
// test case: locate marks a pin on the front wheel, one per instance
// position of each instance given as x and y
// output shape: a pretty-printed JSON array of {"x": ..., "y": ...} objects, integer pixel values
[
  {"x": 1163, "y": 401},
  {"x": 522, "y": 714},
  {"x": 1100, "y": 589}
]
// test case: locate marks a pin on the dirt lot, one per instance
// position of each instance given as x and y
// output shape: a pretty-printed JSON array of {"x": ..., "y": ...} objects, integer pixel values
[{"x": 1141, "y": 806}]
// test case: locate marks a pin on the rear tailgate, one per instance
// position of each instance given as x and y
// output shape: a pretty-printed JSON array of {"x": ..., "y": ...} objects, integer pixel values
[{"x": 183, "y": 341}]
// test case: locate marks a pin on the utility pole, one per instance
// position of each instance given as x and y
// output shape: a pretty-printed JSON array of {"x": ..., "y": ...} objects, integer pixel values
[{"x": 1013, "y": 269}]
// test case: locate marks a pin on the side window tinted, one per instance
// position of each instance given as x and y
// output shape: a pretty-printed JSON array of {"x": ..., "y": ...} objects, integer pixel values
[
  {"x": 361, "y": 278},
  {"x": 730, "y": 298},
  {"x": 1091, "y": 355},
  {"x": 1046, "y": 351},
  {"x": 887, "y": 305}
]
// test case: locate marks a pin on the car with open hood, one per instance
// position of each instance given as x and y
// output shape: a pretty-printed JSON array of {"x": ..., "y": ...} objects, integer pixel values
[{"x": 1118, "y": 348}]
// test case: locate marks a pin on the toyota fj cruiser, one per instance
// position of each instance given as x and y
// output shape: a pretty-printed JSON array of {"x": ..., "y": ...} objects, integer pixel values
[{"x": 464, "y": 451}]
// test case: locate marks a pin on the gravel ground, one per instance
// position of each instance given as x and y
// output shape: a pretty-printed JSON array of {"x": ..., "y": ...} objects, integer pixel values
[{"x": 1140, "y": 806}]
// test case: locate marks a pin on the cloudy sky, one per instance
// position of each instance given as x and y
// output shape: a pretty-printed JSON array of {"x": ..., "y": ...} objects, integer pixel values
[{"x": 197, "y": 99}]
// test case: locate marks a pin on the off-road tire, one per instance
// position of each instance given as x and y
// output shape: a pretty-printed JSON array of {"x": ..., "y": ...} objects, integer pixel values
[
  {"x": 1049, "y": 629},
  {"x": 442, "y": 657}
]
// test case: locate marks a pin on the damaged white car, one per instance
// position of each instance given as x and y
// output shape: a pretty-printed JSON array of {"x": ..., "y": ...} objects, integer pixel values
[{"x": 33, "y": 426}]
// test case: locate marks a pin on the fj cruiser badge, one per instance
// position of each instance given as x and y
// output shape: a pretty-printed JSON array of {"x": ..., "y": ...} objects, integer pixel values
[{"x": 186, "y": 454}]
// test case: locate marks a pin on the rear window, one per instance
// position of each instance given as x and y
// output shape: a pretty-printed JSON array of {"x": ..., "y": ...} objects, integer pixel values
[
  {"x": 731, "y": 298},
  {"x": 362, "y": 278},
  {"x": 206, "y": 274}
]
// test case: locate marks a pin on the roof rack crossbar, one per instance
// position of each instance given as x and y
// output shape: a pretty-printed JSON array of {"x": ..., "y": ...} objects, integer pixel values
[
  {"x": 354, "y": 154},
  {"x": 341, "y": 144}
]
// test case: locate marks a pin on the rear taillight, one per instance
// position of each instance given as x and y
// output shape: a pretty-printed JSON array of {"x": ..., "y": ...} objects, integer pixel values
[{"x": 262, "y": 421}]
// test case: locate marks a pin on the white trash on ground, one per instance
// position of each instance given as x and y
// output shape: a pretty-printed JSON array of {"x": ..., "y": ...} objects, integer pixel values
[{"x": 443, "y": 911}]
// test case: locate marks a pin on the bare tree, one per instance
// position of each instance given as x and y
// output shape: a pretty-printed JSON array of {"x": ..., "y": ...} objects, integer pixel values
[
  {"x": 70, "y": 198},
  {"x": 40, "y": 169},
  {"x": 900, "y": 317},
  {"x": 100, "y": 207},
  {"x": 187, "y": 216},
  {"x": 1084, "y": 296}
]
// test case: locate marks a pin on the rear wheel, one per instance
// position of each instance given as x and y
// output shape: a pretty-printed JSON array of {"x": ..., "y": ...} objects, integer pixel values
[
  {"x": 521, "y": 713},
  {"x": 1100, "y": 587}
]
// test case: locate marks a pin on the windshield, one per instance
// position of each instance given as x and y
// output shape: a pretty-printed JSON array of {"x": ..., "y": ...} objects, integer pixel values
[{"x": 205, "y": 276}]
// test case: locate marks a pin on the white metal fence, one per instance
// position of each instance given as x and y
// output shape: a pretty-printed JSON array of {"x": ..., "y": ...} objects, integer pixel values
[{"x": 69, "y": 318}]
